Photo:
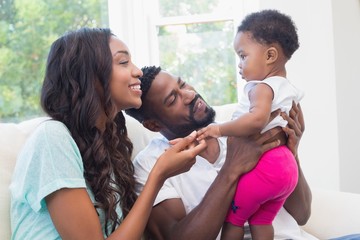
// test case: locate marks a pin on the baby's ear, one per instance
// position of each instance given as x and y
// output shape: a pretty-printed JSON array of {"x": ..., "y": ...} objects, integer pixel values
[
  {"x": 152, "y": 125},
  {"x": 272, "y": 54}
]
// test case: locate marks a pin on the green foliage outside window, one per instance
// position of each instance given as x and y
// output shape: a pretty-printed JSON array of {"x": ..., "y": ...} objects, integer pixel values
[
  {"x": 202, "y": 54},
  {"x": 27, "y": 29}
]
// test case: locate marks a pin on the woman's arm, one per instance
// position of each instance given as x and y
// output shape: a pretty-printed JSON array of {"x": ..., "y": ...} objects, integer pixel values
[{"x": 74, "y": 215}]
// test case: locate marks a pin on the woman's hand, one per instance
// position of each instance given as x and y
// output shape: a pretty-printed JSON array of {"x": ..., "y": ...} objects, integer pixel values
[{"x": 180, "y": 157}]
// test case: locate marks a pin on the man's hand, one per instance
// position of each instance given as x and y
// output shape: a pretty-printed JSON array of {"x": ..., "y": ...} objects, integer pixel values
[
  {"x": 243, "y": 153},
  {"x": 295, "y": 127}
]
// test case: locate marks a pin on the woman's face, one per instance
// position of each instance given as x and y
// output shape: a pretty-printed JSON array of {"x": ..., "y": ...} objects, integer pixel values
[{"x": 124, "y": 83}]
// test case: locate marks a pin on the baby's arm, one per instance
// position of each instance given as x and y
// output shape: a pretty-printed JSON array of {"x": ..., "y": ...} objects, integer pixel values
[
  {"x": 254, "y": 121},
  {"x": 212, "y": 130}
]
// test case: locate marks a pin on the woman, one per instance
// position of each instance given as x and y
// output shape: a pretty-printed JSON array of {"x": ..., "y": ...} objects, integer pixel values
[{"x": 74, "y": 177}]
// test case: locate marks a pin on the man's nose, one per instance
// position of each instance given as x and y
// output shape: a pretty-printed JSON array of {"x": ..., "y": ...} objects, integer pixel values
[{"x": 188, "y": 95}]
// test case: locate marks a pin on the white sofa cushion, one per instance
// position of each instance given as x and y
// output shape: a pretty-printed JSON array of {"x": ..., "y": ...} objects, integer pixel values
[
  {"x": 12, "y": 138},
  {"x": 334, "y": 214}
]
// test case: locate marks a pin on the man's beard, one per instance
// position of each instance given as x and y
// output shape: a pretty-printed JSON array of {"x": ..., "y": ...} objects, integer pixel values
[{"x": 185, "y": 129}]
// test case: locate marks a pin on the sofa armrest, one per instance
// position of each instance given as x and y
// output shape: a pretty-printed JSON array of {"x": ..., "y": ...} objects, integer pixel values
[
  {"x": 12, "y": 138},
  {"x": 333, "y": 214}
]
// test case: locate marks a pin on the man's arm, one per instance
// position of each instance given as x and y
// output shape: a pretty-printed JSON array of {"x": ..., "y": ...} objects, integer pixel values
[
  {"x": 168, "y": 219},
  {"x": 164, "y": 217},
  {"x": 298, "y": 204}
]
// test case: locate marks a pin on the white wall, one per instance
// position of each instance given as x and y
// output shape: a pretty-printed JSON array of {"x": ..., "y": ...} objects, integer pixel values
[
  {"x": 326, "y": 67},
  {"x": 347, "y": 51},
  {"x": 312, "y": 69}
]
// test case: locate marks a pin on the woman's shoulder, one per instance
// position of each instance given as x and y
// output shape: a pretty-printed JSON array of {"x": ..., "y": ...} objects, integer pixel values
[
  {"x": 51, "y": 141},
  {"x": 53, "y": 127},
  {"x": 50, "y": 131}
]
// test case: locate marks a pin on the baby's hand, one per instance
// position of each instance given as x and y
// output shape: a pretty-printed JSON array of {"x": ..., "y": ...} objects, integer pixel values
[
  {"x": 212, "y": 130},
  {"x": 176, "y": 140}
]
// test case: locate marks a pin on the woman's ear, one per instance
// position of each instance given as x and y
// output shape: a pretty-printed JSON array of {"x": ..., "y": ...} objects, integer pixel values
[
  {"x": 272, "y": 55},
  {"x": 152, "y": 125}
]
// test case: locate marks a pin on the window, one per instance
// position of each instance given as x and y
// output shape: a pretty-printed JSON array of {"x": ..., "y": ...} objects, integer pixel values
[
  {"x": 201, "y": 53},
  {"x": 195, "y": 41},
  {"x": 27, "y": 29}
]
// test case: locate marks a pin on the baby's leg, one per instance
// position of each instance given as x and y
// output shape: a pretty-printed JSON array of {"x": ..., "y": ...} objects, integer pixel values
[
  {"x": 261, "y": 221},
  {"x": 262, "y": 232},
  {"x": 232, "y": 232}
]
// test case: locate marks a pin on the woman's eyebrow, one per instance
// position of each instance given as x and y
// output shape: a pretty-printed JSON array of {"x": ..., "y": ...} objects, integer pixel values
[{"x": 121, "y": 52}]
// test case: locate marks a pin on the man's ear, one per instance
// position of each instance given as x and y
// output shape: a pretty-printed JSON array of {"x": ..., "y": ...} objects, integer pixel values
[
  {"x": 152, "y": 125},
  {"x": 272, "y": 55}
]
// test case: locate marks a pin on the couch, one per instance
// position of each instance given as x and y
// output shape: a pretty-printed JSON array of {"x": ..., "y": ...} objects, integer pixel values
[{"x": 334, "y": 213}]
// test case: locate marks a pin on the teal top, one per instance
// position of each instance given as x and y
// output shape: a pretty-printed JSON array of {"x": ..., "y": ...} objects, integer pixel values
[{"x": 50, "y": 160}]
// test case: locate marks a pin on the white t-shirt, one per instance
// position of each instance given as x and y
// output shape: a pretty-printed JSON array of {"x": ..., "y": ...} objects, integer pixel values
[
  {"x": 284, "y": 94},
  {"x": 191, "y": 186}
]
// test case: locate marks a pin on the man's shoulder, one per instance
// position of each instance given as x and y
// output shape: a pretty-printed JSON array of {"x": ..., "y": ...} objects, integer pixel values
[{"x": 152, "y": 151}]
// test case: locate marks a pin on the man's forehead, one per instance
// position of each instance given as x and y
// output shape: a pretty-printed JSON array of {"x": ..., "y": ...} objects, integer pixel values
[
  {"x": 161, "y": 86},
  {"x": 164, "y": 81},
  {"x": 165, "y": 77}
]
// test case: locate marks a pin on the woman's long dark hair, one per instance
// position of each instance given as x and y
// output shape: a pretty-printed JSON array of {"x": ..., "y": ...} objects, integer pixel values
[{"x": 76, "y": 92}]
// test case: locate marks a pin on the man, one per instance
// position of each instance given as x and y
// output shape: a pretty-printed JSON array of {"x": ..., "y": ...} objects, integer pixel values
[{"x": 193, "y": 205}]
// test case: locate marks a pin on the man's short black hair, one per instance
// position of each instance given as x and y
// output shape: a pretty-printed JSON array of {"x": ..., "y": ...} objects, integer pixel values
[
  {"x": 149, "y": 74},
  {"x": 270, "y": 26}
]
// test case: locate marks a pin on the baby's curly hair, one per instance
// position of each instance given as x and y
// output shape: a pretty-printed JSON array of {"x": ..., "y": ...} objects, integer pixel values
[
  {"x": 149, "y": 74},
  {"x": 271, "y": 26}
]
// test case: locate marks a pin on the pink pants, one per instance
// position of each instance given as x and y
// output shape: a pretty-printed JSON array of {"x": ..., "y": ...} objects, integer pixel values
[{"x": 261, "y": 192}]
